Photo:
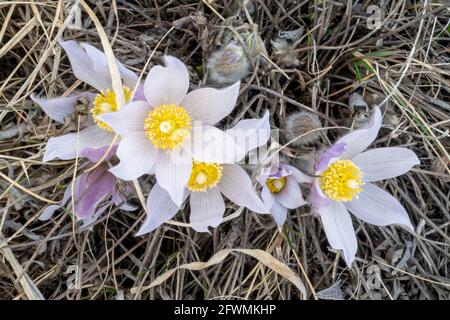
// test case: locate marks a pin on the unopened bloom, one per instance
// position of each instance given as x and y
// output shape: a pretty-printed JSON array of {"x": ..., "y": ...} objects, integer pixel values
[
  {"x": 281, "y": 190},
  {"x": 228, "y": 64},
  {"x": 344, "y": 184},
  {"x": 301, "y": 128},
  {"x": 169, "y": 130},
  {"x": 89, "y": 65},
  {"x": 89, "y": 190}
]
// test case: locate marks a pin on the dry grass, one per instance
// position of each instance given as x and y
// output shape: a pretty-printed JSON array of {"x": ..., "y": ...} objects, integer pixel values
[{"x": 405, "y": 64}]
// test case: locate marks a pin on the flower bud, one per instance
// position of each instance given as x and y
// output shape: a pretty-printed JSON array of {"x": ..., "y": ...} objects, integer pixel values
[
  {"x": 300, "y": 124},
  {"x": 228, "y": 64}
]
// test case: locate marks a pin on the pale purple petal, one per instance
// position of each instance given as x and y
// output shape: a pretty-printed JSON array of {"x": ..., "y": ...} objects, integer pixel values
[
  {"x": 330, "y": 156},
  {"x": 317, "y": 198},
  {"x": 57, "y": 108},
  {"x": 250, "y": 134},
  {"x": 299, "y": 176},
  {"x": 207, "y": 209},
  {"x": 65, "y": 147},
  {"x": 95, "y": 155},
  {"x": 91, "y": 72},
  {"x": 279, "y": 213},
  {"x": 378, "y": 207},
  {"x": 338, "y": 227},
  {"x": 92, "y": 188},
  {"x": 87, "y": 223},
  {"x": 167, "y": 85},
  {"x": 237, "y": 186},
  {"x": 137, "y": 157},
  {"x": 139, "y": 93},
  {"x": 48, "y": 212},
  {"x": 358, "y": 140},
  {"x": 210, "y": 105},
  {"x": 384, "y": 163},
  {"x": 213, "y": 145},
  {"x": 160, "y": 208},
  {"x": 100, "y": 64},
  {"x": 173, "y": 170},
  {"x": 129, "y": 119},
  {"x": 291, "y": 195}
]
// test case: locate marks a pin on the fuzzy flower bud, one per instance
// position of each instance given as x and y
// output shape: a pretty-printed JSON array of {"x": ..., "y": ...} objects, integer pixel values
[
  {"x": 301, "y": 123},
  {"x": 228, "y": 64}
]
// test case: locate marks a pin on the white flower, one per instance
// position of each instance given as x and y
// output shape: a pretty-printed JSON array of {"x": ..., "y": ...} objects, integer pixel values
[
  {"x": 89, "y": 65},
  {"x": 169, "y": 130},
  {"x": 207, "y": 183},
  {"x": 345, "y": 175},
  {"x": 281, "y": 190}
]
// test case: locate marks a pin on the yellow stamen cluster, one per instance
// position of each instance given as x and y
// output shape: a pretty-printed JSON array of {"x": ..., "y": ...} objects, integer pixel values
[
  {"x": 342, "y": 181},
  {"x": 275, "y": 185},
  {"x": 167, "y": 126},
  {"x": 204, "y": 175},
  {"x": 105, "y": 102}
]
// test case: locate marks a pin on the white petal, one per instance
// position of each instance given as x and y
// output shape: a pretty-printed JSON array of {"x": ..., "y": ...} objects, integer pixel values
[
  {"x": 299, "y": 176},
  {"x": 137, "y": 157},
  {"x": 211, "y": 105},
  {"x": 250, "y": 134},
  {"x": 91, "y": 72},
  {"x": 172, "y": 173},
  {"x": 65, "y": 147},
  {"x": 338, "y": 227},
  {"x": 267, "y": 197},
  {"x": 279, "y": 213},
  {"x": 213, "y": 145},
  {"x": 130, "y": 118},
  {"x": 160, "y": 208},
  {"x": 100, "y": 63},
  {"x": 237, "y": 186},
  {"x": 291, "y": 195},
  {"x": 57, "y": 108},
  {"x": 358, "y": 140},
  {"x": 207, "y": 209},
  {"x": 376, "y": 206},
  {"x": 384, "y": 163},
  {"x": 167, "y": 85}
]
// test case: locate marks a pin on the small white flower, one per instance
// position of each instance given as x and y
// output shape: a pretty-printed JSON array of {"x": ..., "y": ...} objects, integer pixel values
[
  {"x": 344, "y": 183},
  {"x": 169, "y": 130},
  {"x": 206, "y": 185},
  {"x": 281, "y": 190}
]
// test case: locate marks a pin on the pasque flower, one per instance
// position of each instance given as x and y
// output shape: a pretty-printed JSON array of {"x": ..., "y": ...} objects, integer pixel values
[
  {"x": 165, "y": 133},
  {"x": 90, "y": 66},
  {"x": 207, "y": 182},
  {"x": 281, "y": 191},
  {"x": 344, "y": 184},
  {"x": 89, "y": 190}
]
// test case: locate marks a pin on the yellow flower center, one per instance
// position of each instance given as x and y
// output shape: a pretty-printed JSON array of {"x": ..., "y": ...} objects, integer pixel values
[
  {"x": 275, "y": 185},
  {"x": 167, "y": 126},
  {"x": 105, "y": 102},
  {"x": 204, "y": 175},
  {"x": 342, "y": 181}
]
